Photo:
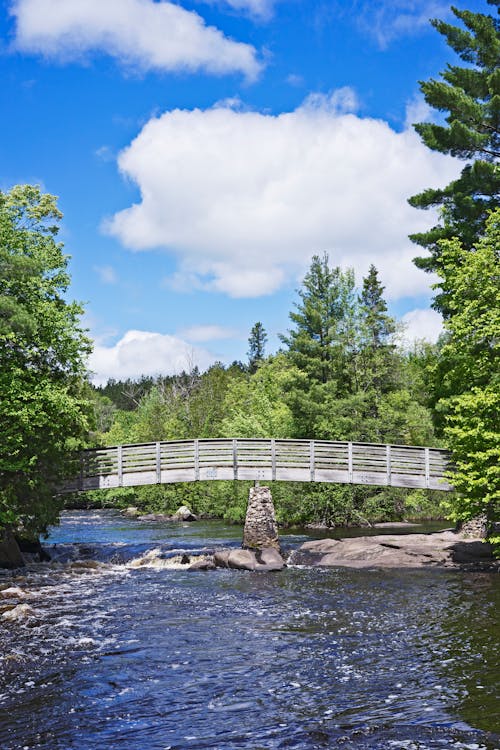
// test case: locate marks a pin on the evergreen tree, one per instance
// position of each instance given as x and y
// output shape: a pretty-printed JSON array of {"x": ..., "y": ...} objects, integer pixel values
[
  {"x": 256, "y": 346},
  {"x": 324, "y": 319},
  {"x": 376, "y": 364},
  {"x": 378, "y": 325},
  {"x": 376, "y": 357},
  {"x": 471, "y": 96}
]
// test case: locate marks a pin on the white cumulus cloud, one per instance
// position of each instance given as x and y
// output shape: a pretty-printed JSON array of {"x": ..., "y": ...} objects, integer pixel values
[
  {"x": 244, "y": 199},
  {"x": 422, "y": 323},
  {"x": 145, "y": 353},
  {"x": 140, "y": 33}
]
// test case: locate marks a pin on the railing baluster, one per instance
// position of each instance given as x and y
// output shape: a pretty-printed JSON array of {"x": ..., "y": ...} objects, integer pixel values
[
  {"x": 235, "y": 458},
  {"x": 119, "y": 458},
  {"x": 427, "y": 468},
  {"x": 158, "y": 463},
  {"x": 311, "y": 459},
  {"x": 196, "y": 460},
  {"x": 349, "y": 462},
  {"x": 388, "y": 463}
]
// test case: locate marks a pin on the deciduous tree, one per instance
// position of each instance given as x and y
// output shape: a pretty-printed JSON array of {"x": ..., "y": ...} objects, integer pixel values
[
  {"x": 43, "y": 407},
  {"x": 469, "y": 368}
]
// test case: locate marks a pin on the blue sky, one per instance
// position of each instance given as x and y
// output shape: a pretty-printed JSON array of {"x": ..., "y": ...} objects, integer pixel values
[{"x": 204, "y": 150}]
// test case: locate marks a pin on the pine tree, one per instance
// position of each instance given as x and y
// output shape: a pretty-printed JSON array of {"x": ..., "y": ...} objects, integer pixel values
[
  {"x": 376, "y": 354},
  {"x": 471, "y": 96},
  {"x": 256, "y": 346},
  {"x": 378, "y": 325},
  {"x": 324, "y": 322}
]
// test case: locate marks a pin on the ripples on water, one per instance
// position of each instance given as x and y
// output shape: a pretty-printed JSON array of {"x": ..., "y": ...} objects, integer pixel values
[{"x": 98, "y": 653}]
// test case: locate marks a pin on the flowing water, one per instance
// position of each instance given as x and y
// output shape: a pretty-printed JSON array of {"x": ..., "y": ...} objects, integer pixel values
[{"x": 114, "y": 644}]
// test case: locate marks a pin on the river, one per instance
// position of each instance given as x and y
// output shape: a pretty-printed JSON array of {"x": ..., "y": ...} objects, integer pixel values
[{"x": 111, "y": 645}]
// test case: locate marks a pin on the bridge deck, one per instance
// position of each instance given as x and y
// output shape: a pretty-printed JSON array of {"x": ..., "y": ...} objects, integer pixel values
[{"x": 262, "y": 459}]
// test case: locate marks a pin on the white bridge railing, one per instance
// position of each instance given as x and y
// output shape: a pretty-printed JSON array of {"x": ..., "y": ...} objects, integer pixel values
[{"x": 261, "y": 459}]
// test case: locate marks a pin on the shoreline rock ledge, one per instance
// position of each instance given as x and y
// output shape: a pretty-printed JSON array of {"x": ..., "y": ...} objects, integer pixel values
[{"x": 445, "y": 549}]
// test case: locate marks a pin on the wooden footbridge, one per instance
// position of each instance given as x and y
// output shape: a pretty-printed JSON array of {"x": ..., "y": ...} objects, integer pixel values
[{"x": 261, "y": 460}]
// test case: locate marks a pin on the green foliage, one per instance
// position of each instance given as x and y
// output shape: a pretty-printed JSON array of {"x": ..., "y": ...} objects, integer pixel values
[
  {"x": 470, "y": 284},
  {"x": 494, "y": 540},
  {"x": 470, "y": 376},
  {"x": 470, "y": 95},
  {"x": 472, "y": 430},
  {"x": 126, "y": 394},
  {"x": 44, "y": 409},
  {"x": 255, "y": 406}
]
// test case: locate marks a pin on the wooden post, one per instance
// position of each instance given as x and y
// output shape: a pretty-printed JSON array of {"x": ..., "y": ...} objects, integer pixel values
[
  {"x": 80, "y": 478},
  {"x": 196, "y": 460},
  {"x": 388, "y": 463},
  {"x": 427, "y": 468},
  {"x": 273, "y": 460},
  {"x": 235, "y": 458},
  {"x": 311, "y": 459},
  {"x": 158, "y": 463},
  {"x": 349, "y": 461},
  {"x": 120, "y": 465}
]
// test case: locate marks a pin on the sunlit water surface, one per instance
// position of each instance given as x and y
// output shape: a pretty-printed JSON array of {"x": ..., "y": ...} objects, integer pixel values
[{"x": 114, "y": 646}]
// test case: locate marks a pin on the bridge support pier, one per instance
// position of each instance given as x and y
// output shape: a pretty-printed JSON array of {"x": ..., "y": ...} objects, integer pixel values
[{"x": 261, "y": 529}]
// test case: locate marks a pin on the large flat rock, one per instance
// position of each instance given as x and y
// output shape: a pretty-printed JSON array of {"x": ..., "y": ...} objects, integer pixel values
[{"x": 441, "y": 549}]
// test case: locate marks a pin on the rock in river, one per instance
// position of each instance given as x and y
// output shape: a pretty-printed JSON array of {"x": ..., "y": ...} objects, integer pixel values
[
  {"x": 441, "y": 549},
  {"x": 261, "y": 561}
]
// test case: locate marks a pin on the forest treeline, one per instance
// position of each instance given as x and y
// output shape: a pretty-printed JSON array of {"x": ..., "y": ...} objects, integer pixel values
[{"x": 341, "y": 374}]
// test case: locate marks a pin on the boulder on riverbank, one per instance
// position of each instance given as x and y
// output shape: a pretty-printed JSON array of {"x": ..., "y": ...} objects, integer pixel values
[
  {"x": 10, "y": 554},
  {"x": 32, "y": 550},
  {"x": 182, "y": 514},
  {"x": 446, "y": 549},
  {"x": 132, "y": 511}
]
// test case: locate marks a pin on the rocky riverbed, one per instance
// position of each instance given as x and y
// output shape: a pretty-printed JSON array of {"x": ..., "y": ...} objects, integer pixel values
[{"x": 445, "y": 549}]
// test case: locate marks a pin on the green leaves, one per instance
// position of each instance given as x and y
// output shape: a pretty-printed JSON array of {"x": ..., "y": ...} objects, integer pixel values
[
  {"x": 472, "y": 429},
  {"x": 469, "y": 371},
  {"x": 43, "y": 408}
]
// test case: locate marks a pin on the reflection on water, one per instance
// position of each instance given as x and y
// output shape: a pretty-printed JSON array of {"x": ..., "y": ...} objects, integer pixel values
[{"x": 107, "y": 648}]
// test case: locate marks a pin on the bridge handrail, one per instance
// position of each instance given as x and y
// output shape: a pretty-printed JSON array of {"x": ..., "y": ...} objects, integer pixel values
[{"x": 267, "y": 459}]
